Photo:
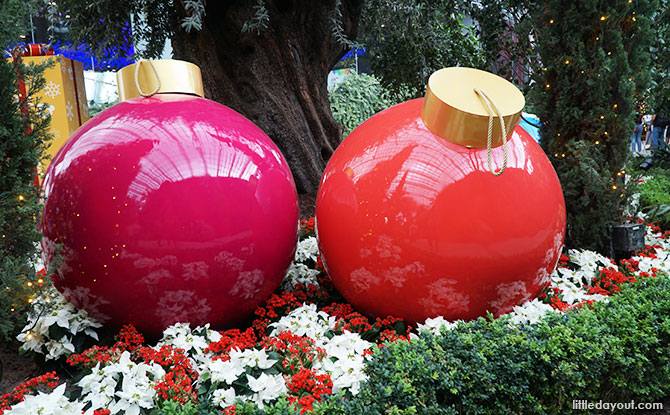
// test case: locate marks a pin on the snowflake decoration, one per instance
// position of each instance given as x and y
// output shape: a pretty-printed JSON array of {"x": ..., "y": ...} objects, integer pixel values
[
  {"x": 70, "y": 114},
  {"x": 52, "y": 90}
]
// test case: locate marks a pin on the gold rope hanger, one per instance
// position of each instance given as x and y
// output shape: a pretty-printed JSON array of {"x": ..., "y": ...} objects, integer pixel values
[
  {"x": 137, "y": 79},
  {"x": 485, "y": 98}
]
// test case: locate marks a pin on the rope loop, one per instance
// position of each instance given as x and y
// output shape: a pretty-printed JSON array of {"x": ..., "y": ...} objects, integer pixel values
[
  {"x": 137, "y": 79},
  {"x": 488, "y": 102}
]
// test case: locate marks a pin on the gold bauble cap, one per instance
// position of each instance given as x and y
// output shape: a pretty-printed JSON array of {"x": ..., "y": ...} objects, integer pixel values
[
  {"x": 175, "y": 76},
  {"x": 454, "y": 111}
]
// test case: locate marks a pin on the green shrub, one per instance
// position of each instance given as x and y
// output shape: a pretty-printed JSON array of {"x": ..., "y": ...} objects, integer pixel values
[
  {"x": 660, "y": 214},
  {"x": 21, "y": 149},
  {"x": 616, "y": 352},
  {"x": 356, "y": 99},
  {"x": 654, "y": 191}
]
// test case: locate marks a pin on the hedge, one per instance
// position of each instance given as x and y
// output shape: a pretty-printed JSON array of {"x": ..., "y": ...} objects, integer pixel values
[{"x": 615, "y": 352}]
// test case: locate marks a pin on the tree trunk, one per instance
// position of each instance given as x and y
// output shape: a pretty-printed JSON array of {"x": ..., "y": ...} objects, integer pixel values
[{"x": 276, "y": 77}]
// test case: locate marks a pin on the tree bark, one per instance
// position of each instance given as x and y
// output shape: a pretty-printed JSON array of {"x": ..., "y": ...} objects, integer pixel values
[{"x": 276, "y": 77}]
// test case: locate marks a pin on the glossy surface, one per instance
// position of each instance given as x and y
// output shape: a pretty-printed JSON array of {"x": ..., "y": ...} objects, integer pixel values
[
  {"x": 414, "y": 226},
  {"x": 169, "y": 209}
]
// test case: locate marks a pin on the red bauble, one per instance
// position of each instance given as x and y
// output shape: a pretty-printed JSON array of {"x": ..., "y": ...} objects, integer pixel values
[
  {"x": 414, "y": 226},
  {"x": 169, "y": 209}
]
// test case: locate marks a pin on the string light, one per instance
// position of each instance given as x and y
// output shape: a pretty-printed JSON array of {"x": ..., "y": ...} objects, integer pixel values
[
  {"x": 603, "y": 18},
  {"x": 597, "y": 141},
  {"x": 547, "y": 86},
  {"x": 551, "y": 21},
  {"x": 613, "y": 187},
  {"x": 21, "y": 197},
  {"x": 567, "y": 62}
]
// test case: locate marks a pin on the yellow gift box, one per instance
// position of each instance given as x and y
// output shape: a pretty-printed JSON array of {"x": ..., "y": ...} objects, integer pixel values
[{"x": 64, "y": 95}]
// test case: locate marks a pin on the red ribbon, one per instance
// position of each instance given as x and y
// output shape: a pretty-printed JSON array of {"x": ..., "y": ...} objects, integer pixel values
[{"x": 33, "y": 49}]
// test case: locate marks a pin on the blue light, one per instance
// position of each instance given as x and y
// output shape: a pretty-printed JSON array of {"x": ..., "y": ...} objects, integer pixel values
[
  {"x": 113, "y": 59},
  {"x": 357, "y": 52}
]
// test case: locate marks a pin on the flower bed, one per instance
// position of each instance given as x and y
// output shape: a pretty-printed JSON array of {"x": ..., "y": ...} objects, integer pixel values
[{"x": 307, "y": 350}]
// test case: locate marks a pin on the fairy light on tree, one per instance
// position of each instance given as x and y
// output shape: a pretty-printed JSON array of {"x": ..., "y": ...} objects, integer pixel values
[{"x": 586, "y": 95}]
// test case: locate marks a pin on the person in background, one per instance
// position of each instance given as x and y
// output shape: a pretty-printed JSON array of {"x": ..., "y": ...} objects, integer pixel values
[
  {"x": 658, "y": 122},
  {"x": 637, "y": 134},
  {"x": 647, "y": 127}
]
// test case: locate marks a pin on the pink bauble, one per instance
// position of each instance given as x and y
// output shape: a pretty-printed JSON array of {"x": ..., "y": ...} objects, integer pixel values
[
  {"x": 414, "y": 226},
  {"x": 169, "y": 209}
]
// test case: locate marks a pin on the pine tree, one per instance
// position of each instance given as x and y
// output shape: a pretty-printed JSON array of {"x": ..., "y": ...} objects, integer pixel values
[
  {"x": 22, "y": 144},
  {"x": 594, "y": 55}
]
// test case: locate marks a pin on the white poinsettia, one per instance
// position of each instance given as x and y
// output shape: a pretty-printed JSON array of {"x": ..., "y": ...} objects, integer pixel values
[
  {"x": 266, "y": 388},
  {"x": 54, "y": 403},
  {"x": 224, "y": 397},
  {"x": 308, "y": 249},
  {"x": 193, "y": 342},
  {"x": 590, "y": 261},
  {"x": 434, "y": 325},
  {"x": 101, "y": 386},
  {"x": 344, "y": 361},
  {"x": 253, "y": 358},
  {"x": 305, "y": 321},
  {"x": 530, "y": 312},
  {"x": 298, "y": 273},
  {"x": 224, "y": 372},
  {"x": 98, "y": 388},
  {"x": 52, "y": 309}
]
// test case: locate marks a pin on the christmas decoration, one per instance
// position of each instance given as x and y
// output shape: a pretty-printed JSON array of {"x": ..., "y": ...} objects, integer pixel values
[
  {"x": 64, "y": 94},
  {"x": 418, "y": 216},
  {"x": 169, "y": 208}
]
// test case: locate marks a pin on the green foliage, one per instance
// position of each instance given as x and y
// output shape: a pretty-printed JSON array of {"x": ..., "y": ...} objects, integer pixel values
[
  {"x": 14, "y": 22},
  {"x": 655, "y": 191},
  {"x": 22, "y": 143},
  {"x": 96, "y": 109},
  {"x": 158, "y": 24},
  {"x": 660, "y": 82},
  {"x": 616, "y": 351},
  {"x": 660, "y": 214},
  {"x": 506, "y": 32},
  {"x": 408, "y": 40},
  {"x": 594, "y": 57},
  {"x": 655, "y": 199},
  {"x": 357, "y": 98},
  {"x": 661, "y": 157}
]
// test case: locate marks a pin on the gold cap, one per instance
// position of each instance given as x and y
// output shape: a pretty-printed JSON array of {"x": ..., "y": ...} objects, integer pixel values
[
  {"x": 175, "y": 76},
  {"x": 456, "y": 113}
]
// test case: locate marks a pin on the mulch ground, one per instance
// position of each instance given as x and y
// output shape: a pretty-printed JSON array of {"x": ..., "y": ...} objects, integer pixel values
[{"x": 15, "y": 369}]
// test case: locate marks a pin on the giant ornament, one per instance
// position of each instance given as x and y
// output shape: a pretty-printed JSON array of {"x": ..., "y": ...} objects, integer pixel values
[
  {"x": 416, "y": 219},
  {"x": 168, "y": 208}
]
